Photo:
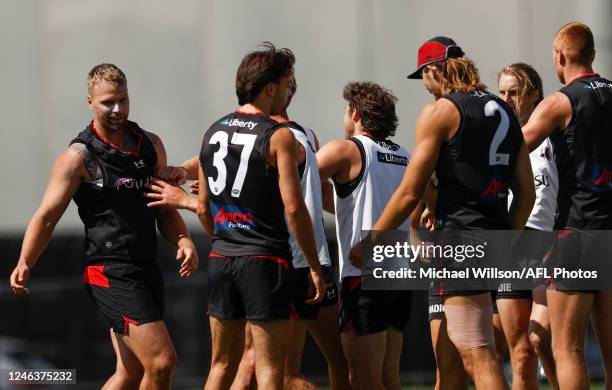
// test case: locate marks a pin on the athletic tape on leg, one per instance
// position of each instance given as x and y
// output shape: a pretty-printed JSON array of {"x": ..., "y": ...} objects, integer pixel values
[{"x": 470, "y": 326}]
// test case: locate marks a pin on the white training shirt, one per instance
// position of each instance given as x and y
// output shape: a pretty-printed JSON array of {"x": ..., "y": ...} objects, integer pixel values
[
  {"x": 311, "y": 189},
  {"x": 546, "y": 181},
  {"x": 360, "y": 202}
]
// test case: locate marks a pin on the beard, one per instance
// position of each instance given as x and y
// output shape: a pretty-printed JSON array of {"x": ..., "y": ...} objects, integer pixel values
[{"x": 115, "y": 123}]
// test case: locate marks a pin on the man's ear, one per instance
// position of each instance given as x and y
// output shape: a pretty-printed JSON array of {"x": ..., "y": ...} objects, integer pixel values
[
  {"x": 90, "y": 102},
  {"x": 355, "y": 115},
  {"x": 270, "y": 89},
  {"x": 561, "y": 56}
]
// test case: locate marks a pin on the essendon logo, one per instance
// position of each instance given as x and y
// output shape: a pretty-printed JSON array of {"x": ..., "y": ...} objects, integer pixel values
[
  {"x": 497, "y": 189},
  {"x": 602, "y": 178},
  {"x": 232, "y": 218}
]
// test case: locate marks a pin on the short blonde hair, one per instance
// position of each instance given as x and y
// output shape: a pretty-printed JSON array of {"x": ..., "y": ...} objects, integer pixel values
[
  {"x": 576, "y": 41},
  {"x": 105, "y": 72}
]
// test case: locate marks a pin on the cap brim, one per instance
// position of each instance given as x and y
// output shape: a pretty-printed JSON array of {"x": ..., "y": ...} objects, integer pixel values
[{"x": 416, "y": 74}]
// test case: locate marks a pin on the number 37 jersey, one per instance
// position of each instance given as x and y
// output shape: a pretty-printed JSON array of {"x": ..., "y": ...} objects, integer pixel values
[
  {"x": 243, "y": 190},
  {"x": 476, "y": 164}
]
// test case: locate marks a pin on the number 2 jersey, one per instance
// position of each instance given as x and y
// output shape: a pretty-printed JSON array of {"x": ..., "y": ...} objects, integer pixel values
[
  {"x": 475, "y": 166},
  {"x": 244, "y": 196}
]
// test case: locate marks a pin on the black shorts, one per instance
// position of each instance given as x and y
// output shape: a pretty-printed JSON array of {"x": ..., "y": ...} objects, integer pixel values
[
  {"x": 436, "y": 306},
  {"x": 372, "y": 311},
  {"x": 251, "y": 287},
  {"x": 580, "y": 253},
  {"x": 299, "y": 293},
  {"x": 498, "y": 252},
  {"x": 126, "y": 293},
  {"x": 529, "y": 251}
]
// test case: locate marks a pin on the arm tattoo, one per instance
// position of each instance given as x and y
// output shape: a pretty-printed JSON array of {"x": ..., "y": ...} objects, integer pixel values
[{"x": 91, "y": 166}]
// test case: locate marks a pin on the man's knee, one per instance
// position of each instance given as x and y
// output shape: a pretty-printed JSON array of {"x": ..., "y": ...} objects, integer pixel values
[
  {"x": 162, "y": 365},
  {"x": 524, "y": 357},
  {"x": 539, "y": 342}
]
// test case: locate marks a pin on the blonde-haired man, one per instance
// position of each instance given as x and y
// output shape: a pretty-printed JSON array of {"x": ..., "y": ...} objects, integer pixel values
[{"x": 104, "y": 170}]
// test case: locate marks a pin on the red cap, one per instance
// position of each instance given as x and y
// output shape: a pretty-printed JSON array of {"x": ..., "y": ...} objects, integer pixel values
[{"x": 435, "y": 50}]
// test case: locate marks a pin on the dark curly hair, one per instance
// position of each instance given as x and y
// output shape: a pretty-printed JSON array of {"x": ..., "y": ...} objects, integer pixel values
[
  {"x": 261, "y": 67},
  {"x": 375, "y": 104}
]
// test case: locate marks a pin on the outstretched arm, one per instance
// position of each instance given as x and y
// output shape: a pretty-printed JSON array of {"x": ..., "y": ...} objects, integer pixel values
[
  {"x": 204, "y": 214},
  {"x": 66, "y": 177},
  {"x": 554, "y": 112},
  {"x": 172, "y": 226}
]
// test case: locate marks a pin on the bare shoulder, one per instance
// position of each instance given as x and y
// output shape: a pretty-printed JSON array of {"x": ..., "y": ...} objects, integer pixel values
[
  {"x": 441, "y": 106},
  {"x": 338, "y": 150},
  {"x": 75, "y": 153},
  {"x": 78, "y": 157},
  {"x": 558, "y": 102},
  {"x": 282, "y": 138},
  {"x": 339, "y": 146},
  {"x": 555, "y": 111},
  {"x": 439, "y": 119}
]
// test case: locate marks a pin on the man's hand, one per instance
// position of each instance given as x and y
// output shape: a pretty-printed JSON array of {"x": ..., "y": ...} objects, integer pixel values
[
  {"x": 165, "y": 194},
  {"x": 428, "y": 219},
  {"x": 19, "y": 277},
  {"x": 172, "y": 174},
  {"x": 318, "y": 282},
  {"x": 194, "y": 187},
  {"x": 188, "y": 257}
]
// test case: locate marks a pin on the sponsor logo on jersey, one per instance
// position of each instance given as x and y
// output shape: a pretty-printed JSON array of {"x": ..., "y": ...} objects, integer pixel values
[
  {"x": 139, "y": 164},
  {"x": 597, "y": 84},
  {"x": 238, "y": 123},
  {"x": 390, "y": 158},
  {"x": 229, "y": 218},
  {"x": 129, "y": 183},
  {"x": 479, "y": 94},
  {"x": 496, "y": 189},
  {"x": 388, "y": 145},
  {"x": 602, "y": 178}
]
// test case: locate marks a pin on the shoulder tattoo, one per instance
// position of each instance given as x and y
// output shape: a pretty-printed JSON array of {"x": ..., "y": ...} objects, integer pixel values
[{"x": 91, "y": 166}]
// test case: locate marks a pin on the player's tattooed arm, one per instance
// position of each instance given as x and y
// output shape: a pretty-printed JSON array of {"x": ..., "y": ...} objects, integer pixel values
[
  {"x": 66, "y": 177},
  {"x": 92, "y": 169}
]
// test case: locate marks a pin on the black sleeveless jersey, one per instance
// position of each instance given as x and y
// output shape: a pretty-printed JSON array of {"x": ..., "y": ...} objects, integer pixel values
[
  {"x": 118, "y": 223},
  {"x": 243, "y": 190},
  {"x": 584, "y": 160},
  {"x": 475, "y": 166}
]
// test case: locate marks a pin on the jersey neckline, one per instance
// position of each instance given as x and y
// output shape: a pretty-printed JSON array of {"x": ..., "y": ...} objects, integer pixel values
[
  {"x": 592, "y": 74},
  {"x": 135, "y": 153}
]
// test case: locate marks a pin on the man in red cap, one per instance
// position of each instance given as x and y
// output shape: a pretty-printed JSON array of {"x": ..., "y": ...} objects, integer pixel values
[{"x": 470, "y": 139}]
